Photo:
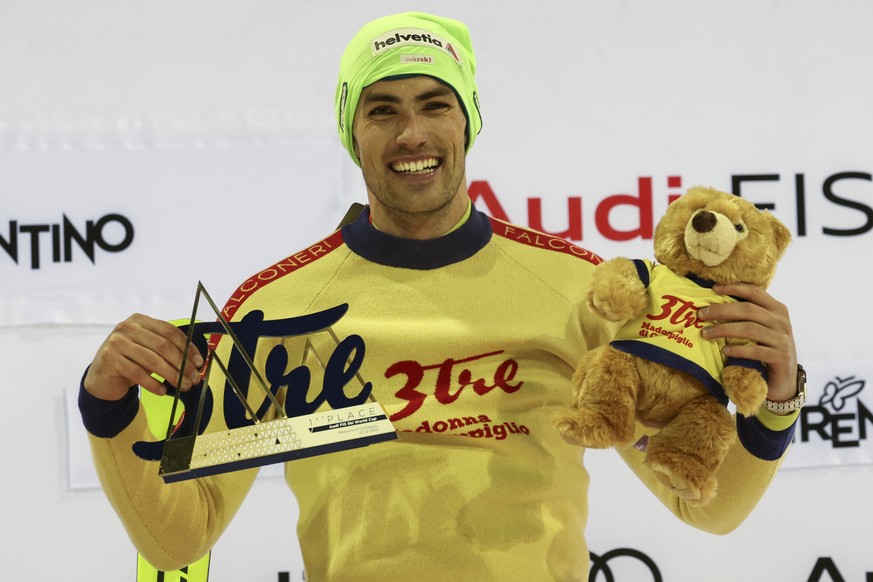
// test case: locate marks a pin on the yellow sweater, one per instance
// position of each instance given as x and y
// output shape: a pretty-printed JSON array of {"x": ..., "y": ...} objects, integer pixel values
[
  {"x": 669, "y": 332},
  {"x": 468, "y": 342}
]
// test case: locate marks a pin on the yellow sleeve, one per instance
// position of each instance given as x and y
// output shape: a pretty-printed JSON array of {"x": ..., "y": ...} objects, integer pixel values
[
  {"x": 742, "y": 480},
  {"x": 776, "y": 422},
  {"x": 171, "y": 525}
]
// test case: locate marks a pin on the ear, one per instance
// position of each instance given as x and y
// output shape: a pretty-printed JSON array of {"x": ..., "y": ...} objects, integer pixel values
[{"x": 781, "y": 234}]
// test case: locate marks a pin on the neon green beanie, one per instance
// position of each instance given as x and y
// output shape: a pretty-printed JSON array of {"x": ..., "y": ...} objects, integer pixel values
[{"x": 413, "y": 43}]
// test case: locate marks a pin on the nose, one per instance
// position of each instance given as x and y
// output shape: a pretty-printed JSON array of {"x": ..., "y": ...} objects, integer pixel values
[
  {"x": 411, "y": 133},
  {"x": 704, "y": 221}
]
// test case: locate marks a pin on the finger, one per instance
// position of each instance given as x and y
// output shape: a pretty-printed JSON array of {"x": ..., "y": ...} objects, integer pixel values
[
  {"x": 112, "y": 372},
  {"x": 193, "y": 358},
  {"x": 781, "y": 367},
  {"x": 769, "y": 355},
  {"x": 135, "y": 362},
  {"x": 737, "y": 311},
  {"x": 744, "y": 330},
  {"x": 143, "y": 378},
  {"x": 157, "y": 347},
  {"x": 751, "y": 293}
]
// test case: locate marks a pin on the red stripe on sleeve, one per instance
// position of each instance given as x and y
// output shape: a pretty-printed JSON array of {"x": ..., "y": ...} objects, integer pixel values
[
  {"x": 277, "y": 271},
  {"x": 545, "y": 241}
]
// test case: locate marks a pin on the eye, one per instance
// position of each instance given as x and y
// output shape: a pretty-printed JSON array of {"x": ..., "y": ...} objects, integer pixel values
[
  {"x": 380, "y": 110},
  {"x": 740, "y": 227},
  {"x": 436, "y": 105}
]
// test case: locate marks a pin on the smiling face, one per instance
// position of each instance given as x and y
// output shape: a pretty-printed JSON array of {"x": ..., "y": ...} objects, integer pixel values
[{"x": 410, "y": 138}]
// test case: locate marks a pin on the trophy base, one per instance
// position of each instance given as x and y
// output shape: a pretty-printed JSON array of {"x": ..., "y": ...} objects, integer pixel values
[{"x": 275, "y": 441}]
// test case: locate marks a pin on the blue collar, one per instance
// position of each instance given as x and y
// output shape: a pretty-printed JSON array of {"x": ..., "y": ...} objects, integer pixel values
[
  {"x": 708, "y": 283},
  {"x": 376, "y": 246}
]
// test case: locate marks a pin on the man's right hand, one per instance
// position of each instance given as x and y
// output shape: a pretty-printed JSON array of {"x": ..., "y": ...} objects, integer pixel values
[{"x": 136, "y": 348}]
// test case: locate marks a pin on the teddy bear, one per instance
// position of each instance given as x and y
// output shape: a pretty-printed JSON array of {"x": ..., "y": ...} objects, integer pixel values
[{"x": 658, "y": 370}]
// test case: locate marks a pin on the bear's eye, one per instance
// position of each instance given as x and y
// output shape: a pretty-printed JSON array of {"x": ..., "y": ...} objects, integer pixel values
[{"x": 739, "y": 227}]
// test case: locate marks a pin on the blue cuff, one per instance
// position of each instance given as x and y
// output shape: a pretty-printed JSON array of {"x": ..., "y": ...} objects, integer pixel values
[
  {"x": 766, "y": 444},
  {"x": 107, "y": 418}
]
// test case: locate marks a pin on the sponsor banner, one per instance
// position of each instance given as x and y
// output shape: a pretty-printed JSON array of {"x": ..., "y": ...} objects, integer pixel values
[
  {"x": 591, "y": 148},
  {"x": 623, "y": 564},
  {"x": 835, "y": 426},
  {"x": 827, "y": 207},
  {"x": 831, "y": 204},
  {"x": 81, "y": 475},
  {"x": 91, "y": 235}
]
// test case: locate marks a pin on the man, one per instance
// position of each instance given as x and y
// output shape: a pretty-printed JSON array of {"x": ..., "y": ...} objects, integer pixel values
[{"x": 467, "y": 331}]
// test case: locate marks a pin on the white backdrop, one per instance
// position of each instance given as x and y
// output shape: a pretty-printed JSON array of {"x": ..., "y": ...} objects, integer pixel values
[{"x": 144, "y": 146}]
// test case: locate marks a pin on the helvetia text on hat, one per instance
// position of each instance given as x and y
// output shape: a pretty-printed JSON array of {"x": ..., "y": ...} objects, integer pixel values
[{"x": 398, "y": 38}]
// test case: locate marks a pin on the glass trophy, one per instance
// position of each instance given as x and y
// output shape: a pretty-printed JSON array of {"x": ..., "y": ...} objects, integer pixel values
[
  {"x": 276, "y": 432},
  {"x": 275, "y": 435}
]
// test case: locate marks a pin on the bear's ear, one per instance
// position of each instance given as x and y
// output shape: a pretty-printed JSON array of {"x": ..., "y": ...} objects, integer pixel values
[{"x": 781, "y": 234}]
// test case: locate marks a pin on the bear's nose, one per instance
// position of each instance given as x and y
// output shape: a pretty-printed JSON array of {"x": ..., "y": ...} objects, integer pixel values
[{"x": 704, "y": 221}]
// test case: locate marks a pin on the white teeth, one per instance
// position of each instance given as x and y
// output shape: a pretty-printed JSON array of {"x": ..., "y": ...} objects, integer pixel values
[{"x": 416, "y": 166}]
